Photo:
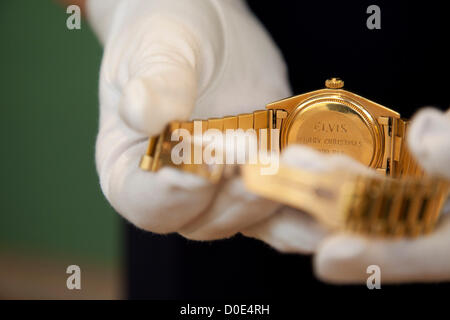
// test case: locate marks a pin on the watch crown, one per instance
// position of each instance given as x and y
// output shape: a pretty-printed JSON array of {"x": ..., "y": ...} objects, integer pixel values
[{"x": 334, "y": 83}]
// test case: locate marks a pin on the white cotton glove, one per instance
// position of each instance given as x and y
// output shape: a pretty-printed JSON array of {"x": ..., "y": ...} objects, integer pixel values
[
  {"x": 170, "y": 60},
  {"x": 344, "y": 258}
]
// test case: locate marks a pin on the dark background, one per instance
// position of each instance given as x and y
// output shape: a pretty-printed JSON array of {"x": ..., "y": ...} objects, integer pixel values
[{"x": 403, "y": 66}]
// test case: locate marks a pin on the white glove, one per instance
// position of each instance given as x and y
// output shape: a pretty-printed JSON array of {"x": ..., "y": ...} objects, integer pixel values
[
  {"x": 170, "y": 60},
  {"x": 344, "y": 258}
]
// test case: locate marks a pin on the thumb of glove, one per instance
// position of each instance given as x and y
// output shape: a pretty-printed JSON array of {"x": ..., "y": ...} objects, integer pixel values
[{"x": 162, "y": 77}]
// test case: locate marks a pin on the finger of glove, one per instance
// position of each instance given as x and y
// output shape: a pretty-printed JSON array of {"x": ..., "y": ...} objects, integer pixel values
[
  {"x": 232, "y": 210},
  {"x": 289, "y": 231},
  {"x": 344, "y": 258},
  {"x": 156, "y": 73},
  {"x": 160, "y": 202},
  {"x": 429, "y": 140},
  {"x": 306, "y": 158}
]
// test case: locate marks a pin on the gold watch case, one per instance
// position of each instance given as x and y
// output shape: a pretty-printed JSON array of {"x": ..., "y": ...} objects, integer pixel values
[{"x": 333, "y": 120}]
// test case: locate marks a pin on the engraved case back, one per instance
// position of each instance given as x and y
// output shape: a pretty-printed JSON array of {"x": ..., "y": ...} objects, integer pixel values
[{"x": 334, "y": 124}]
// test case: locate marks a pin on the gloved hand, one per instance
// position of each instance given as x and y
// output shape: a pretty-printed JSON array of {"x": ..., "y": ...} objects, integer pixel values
[
  {"x": 170, "y": 60},
  {"x": 344, "y": 258}
]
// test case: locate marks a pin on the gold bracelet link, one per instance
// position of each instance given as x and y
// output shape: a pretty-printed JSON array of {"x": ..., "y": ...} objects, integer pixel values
[
  {"x": 159, "y": 148},
  {"x": 394, "y": 207},
  {"x": 405, "y": 163}
]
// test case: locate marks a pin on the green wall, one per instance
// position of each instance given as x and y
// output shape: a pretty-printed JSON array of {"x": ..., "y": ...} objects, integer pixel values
[{"x": 51, "y": 202}]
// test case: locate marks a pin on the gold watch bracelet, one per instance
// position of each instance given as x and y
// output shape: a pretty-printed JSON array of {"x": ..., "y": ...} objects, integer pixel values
[{"x": 407, "y": 202}]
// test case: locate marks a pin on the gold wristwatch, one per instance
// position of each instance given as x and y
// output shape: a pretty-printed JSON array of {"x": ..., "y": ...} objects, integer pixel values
[{"x": 401, "y": 201}]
